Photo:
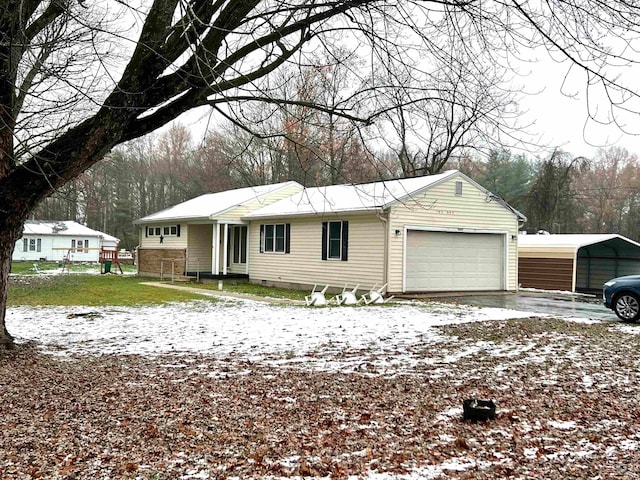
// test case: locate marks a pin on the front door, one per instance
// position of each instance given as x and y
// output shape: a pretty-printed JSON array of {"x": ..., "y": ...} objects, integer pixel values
[{"x": 237, "y": 249}]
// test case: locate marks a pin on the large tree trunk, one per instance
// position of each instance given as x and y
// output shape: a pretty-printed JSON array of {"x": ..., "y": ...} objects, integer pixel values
[{"x": 10, "y": 231}]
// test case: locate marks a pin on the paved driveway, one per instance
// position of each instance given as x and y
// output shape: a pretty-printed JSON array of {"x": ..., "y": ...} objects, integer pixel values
[{"x": 542, "y": 303}]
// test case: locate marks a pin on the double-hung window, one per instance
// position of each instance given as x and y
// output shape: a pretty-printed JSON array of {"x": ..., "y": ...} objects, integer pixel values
[
  {"x": 275, "y": 238},
  {"x": 335, "y": 240},
  {"x": 76, "y": 245},
  {"x": 32, "y": 245}
]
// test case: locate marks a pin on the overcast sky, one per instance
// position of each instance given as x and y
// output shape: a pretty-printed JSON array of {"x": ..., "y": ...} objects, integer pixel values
[
  {"x": 560, "y": 110},
  {"x": 555, "y": 105}
]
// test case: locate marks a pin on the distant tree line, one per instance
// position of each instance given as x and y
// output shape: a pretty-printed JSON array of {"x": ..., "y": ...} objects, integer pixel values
[{"x": 558, "y": 194}]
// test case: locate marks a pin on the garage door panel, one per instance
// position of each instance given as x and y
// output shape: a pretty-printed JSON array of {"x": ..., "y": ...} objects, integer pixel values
[{"x": 441, "y": 261}]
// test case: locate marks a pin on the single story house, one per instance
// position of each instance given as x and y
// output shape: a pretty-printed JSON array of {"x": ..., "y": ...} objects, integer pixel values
[
  {"x": 63, "y": 240},
  {"x": 575, "y": 262},
  {"x": 434, "y": 233}
]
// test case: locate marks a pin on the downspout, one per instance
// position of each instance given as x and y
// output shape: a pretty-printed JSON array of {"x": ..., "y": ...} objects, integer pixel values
[{"x": 387, "y": 224}]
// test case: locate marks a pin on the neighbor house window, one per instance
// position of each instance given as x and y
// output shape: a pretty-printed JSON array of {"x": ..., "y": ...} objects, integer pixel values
[
  {"x": 31, "y": 244},
  {"x": 335, "y": 240},
  {"x": 275, "y": 238},
  {"x": 76, "y": 245},
  {"x": 239, "y": 244}
]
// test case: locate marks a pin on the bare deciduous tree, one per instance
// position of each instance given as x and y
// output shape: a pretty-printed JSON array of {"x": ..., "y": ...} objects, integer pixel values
[{"x": 551, "y": 203}]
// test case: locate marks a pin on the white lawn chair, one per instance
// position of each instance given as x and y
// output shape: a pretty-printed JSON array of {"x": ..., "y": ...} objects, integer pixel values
[
  {"x": 317, "y": 297},
  {"x": 375, "y": 295},
  {"x": 348, "y": 297}
]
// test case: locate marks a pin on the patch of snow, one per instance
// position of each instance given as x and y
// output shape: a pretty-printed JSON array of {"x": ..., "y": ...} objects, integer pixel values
[
  {"x": 563, "y": 425},
  {"x": 450, "y": 413},
  {"x": 630, "y": 328},
  {"x": 629, "y": 445}
]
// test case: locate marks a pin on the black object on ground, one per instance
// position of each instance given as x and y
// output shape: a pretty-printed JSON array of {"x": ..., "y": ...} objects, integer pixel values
[{"x": 478, "y": 410}]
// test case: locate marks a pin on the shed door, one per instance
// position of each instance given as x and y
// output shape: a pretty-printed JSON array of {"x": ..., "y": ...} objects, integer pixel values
[{"x": 443, "y": 261}]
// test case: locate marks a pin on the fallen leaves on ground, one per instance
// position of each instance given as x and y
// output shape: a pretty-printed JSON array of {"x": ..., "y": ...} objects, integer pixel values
[{"x": 567, "y": 396}]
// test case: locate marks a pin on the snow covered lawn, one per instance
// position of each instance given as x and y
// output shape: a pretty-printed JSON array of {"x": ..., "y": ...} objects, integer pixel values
[
  {"x": 254, "y": 331},
  {"x": 241, "y": 389}
]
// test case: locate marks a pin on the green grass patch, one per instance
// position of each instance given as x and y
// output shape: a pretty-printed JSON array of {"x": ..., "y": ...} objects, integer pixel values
[
  {"x": 31, "y": 268},
  {"x": 92, "y": 290},
  {"x": 255, "y": 289},
  {"x": 36, "y": 268}
]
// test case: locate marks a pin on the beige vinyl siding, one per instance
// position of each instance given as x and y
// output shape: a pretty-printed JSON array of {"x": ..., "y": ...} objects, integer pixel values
[
  {"x": 547, "y": 252},
  {"x": 440, "y": 208},
  {"x": 169, "y": 241},
  {"x": 233, "y": 214},
  {"x": 304, "y": 265},
  {"x": 199, "y": 251}
]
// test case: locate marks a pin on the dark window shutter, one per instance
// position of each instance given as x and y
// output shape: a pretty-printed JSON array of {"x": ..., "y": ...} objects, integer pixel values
[
  {"x": 261, "y": 238},
  {"x": 325, "y": 234},
  {"x": 146, "y": 231},
  {"x": 345, "y": 240},
  {"x": 287, "y": 238},
  {"x": 178, "y": 230}
]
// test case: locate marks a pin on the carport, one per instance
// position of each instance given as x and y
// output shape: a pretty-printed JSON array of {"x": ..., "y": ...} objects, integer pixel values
[{"x": 575, "y": 262}]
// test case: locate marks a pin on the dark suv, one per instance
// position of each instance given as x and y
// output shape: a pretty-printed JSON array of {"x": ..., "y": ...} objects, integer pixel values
[{"x": 622, "y": 295}]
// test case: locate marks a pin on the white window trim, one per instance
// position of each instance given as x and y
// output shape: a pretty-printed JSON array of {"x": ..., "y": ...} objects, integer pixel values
[{"x": 284, "y": 239}]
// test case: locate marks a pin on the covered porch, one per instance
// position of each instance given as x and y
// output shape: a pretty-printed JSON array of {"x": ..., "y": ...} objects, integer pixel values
[{"x": 218, "y": 250}]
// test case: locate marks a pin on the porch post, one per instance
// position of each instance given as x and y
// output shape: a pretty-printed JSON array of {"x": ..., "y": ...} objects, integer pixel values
[
  {"x": 247, "y": 250},
  {"x": 215, "y": 263},
  {"x": 225, "y": 246}
]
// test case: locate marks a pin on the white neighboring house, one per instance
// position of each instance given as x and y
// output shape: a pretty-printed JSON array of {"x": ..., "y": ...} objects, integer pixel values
[{"x": 57, "y": 241}]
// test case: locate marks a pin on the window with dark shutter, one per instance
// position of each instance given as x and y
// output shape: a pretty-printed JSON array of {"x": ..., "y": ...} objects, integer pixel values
[
  {"x": 275, "y": 238},
  {"x": 335, "y": 240}
]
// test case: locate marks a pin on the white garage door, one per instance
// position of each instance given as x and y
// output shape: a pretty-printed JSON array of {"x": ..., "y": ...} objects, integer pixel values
[{"x": 454, "y": 261}]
